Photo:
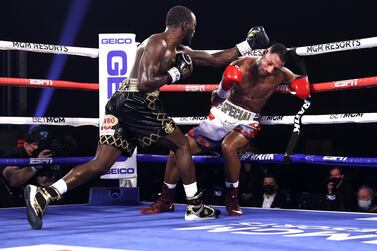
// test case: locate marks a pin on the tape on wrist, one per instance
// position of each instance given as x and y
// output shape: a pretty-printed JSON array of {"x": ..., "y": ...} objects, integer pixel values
[
  {"x": 222, "y": 93},
  {"x": 244, "y": 48},
  {"x": 174, "y": 74},
  {"x": 33, "y": 169}
]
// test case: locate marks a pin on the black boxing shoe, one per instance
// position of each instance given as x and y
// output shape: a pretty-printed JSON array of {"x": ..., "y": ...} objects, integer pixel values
[
  {"x": 37, "y": 199},
  {"x": 196, "y": 210}
]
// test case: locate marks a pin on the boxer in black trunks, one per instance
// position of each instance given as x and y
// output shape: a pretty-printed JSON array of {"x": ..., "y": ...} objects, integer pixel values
[
  {"x": 135, "y": 116},
  {"x": 246, "y": 86}
]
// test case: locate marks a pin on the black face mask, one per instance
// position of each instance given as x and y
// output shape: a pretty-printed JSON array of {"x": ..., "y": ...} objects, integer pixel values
[
  {"x": 269, "y": 189},
  {"x": 336, "y": 181}
]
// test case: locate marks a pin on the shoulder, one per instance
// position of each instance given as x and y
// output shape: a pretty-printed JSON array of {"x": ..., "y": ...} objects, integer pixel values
[
  {"x": 247, "y": 60},
  {"x": 155, "y": 41}
]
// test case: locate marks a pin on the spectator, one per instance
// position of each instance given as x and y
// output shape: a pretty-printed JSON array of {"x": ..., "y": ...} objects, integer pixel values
[
  {"x": 365, "y": 199},
  {"x": 340, "y": 194},
  {"x": 273, "y": 196}
]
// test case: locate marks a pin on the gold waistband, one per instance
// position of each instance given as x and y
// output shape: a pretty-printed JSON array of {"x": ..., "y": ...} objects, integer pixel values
[{"x": 130, "y": 85}]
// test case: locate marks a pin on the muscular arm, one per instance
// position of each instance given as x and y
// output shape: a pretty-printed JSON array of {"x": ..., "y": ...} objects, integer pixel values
[
  {"x": 16, "y": 176},
  {"x": 150, "y": 75},
  {"x": 217, "y": 59},
  {"x": 289, "y": 76}
]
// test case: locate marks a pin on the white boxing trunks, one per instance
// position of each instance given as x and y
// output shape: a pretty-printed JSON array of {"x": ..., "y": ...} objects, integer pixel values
[{"x": 223, "y": 119}]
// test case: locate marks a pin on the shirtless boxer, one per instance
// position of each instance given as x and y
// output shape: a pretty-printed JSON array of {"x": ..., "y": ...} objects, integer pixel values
[
  {"x": 138, "y": 115},
  {"x": 246, "y": 86}
]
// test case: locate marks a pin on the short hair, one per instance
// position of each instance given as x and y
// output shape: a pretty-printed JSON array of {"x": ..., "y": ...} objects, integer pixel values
[
  {"x": 370, "y": 190},
  {"x": 337, "y": 167},
  {"x": 281, "y": 50},
  {"x": 177, "y": 15}
]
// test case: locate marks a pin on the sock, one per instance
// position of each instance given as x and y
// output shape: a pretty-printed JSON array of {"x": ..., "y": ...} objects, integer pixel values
[
  {"x": 170, "y": 186},
  {"x": 228, "y": 184},
  {"x": 190, "y": 189},
  {"x": 60, "y": 186}
]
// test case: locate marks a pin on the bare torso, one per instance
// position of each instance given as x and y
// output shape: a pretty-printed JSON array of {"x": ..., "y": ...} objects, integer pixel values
[
  {"x": 253, "y": 91},
  {"x": 155, "y": 55}
]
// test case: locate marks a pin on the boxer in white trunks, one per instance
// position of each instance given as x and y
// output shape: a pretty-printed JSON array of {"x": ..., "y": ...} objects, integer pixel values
[{"x": 246, "y": 86}]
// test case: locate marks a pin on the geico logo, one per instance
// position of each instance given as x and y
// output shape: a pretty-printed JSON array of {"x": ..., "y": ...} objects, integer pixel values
[
  {"x": 121, "y": 171},
  {"x": 116, "y": 40},
  {"x": 116, "y": 68}
]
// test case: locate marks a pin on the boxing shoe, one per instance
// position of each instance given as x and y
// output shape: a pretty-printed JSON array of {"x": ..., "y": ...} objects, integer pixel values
[
  {"x": 231, "y": 202},
  {"x": 37, "y": 199},
  {"x": 196, "y": 210},
  {"x": 163, "y": 204}
]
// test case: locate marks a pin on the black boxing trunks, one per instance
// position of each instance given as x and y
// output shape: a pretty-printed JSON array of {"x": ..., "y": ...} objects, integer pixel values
[{"x": 134, "y": 118}]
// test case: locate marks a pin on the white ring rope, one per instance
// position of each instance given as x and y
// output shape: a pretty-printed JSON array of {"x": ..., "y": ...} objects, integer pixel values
[
  {"x": 93, "y": 52},
  {"x": 341, "y": 118},
  {"x": 49, "y": 48}
]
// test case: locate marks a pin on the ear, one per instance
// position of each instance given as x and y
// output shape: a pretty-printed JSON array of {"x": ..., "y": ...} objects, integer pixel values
[{"x": 185, "y": 25}]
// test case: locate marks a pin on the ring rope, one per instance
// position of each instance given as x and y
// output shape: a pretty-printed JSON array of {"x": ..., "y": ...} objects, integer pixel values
[
  {"x": 269, "y": 158},
  {"x": 316, "y": 87},
  {"x": 310, "y": 50},
  {"x": 340, "y": 118}
]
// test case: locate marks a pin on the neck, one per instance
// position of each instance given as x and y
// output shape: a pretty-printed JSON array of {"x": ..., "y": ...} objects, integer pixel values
[{"x": 174, "y": 35}]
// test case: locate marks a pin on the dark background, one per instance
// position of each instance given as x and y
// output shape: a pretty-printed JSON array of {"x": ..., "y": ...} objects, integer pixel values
[{"x": 220, "y": 25}]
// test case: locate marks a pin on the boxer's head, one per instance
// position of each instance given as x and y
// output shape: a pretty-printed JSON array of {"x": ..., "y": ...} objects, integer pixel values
[
  {"x": 272, "y": 60},
  {"x": 180, "y": 16}
]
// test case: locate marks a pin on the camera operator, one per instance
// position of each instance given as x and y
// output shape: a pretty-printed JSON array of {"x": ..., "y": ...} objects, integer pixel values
[{"x": 13, "y": 178}]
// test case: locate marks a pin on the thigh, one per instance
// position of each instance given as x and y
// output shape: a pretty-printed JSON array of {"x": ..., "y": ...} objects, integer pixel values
[
  {"x": 144, "y": 120},
  {"x": 236, "y": 141}
]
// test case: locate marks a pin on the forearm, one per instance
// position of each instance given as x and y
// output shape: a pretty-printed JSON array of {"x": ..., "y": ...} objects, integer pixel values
[
  {"x": 20, "y": 176},
  {"x": 215, "y": 99},
  {"x": 154, "y": 82},
  {"x": 217, "y": 59}
]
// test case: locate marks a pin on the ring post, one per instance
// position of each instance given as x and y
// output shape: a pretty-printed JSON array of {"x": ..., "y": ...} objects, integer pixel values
[{"x": 117, "y": 54}]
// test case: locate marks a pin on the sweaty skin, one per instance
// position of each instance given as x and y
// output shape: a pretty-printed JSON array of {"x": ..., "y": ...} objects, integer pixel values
[
  {"x": 261, "y": 77},
  {"x": 154, "y": 57}
]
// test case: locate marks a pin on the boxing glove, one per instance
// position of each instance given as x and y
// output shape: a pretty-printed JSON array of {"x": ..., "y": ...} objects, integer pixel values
[
  {"x": 232, "y": 75},
  {"x": 182, "y": 67},
  {"x": 300, "y": 87},
  {"x": 256, "y": 39}
]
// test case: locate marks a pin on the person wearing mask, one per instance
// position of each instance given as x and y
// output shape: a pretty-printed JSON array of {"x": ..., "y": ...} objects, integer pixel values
[
  {"x": 273, "y": 196},
  {"x": 340, "y": 194},
  {"x": 365, "y": 199}
]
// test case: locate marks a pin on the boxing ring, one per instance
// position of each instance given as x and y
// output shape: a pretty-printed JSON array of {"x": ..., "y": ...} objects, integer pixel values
[
  {"x": 124, "y": 228},
  {"x": 84, "y": 228}
]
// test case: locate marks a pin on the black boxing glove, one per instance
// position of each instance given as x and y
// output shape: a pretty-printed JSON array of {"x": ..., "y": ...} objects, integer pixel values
[
  {"x": 256, "y": 39},
  {"x": 182, "y": 68}
]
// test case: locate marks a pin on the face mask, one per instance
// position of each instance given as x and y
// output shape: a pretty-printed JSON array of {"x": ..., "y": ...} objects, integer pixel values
[
  {"x": 269, "y": 189},
  {"x": 336, "y": 181},
  {"x": 364, "y": 204}
]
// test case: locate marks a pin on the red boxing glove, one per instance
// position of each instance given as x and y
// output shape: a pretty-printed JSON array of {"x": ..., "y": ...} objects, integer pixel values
[
  {"x": 232, "y": 75},
  {"x": 300, "y": 87}
]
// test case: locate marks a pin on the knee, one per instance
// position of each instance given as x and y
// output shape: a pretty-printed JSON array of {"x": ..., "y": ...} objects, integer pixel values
[
  {"x": 228, "y": 149},
  {"x": 100, "y": 166},
  {"x": 184, "y": 145}
]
